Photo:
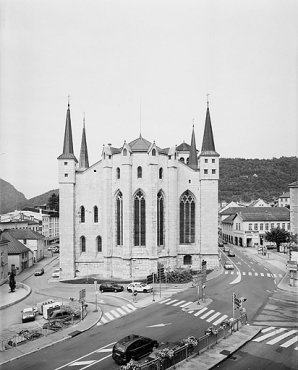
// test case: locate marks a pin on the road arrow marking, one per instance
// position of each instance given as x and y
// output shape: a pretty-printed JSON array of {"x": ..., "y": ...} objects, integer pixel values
[{"x": 158, "y": 325}]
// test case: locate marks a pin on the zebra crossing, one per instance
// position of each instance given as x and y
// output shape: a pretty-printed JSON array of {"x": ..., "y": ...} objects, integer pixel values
[
  {"x": 116, "y": 313},
  {"x": 284, "y": 340},
  {"x": 256, "y": 274},
  {"x": 204, "y": 313}
]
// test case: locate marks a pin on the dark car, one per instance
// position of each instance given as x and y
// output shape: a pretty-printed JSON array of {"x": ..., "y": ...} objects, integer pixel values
[
  {"x": 59, "y": 315},
  {"x": 231, "y": 254},
  {"x": 39, "y": 272},
  {"x": 132, "y": 347},
  {"x": 111, "y": 287},
  {"x": 220, "y": 244}
]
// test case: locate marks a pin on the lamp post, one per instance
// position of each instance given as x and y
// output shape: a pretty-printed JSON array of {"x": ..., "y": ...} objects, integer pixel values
[{"x": 132, "y": 269}]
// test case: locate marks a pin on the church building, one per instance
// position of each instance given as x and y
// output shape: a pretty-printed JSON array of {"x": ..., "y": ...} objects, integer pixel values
[{"x": 137, "y": 207}]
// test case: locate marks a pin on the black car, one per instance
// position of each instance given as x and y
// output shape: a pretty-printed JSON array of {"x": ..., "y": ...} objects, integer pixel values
[
  {"x": 132, "y": 347},
  {"x": 111, "y": 287}
]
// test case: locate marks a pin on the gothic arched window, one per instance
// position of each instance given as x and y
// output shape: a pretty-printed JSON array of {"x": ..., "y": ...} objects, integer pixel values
[
  {"x": 118, "y": 173},
  {"x": 99, "y": 244},
  {"x": 139, "y": 172},
  {"x": 119, "y": 220},
  {"x": 125, "y": 152},
  {"x": 160, "y": 173},
  {"x": 82, "y": 214},
  {"x": 95, "y": 214},
  {"x": 187, "y": 218},
  {"x": 160, "y": 219},
  {"x": 83, "y": 244},
  {"x": 153, "y": 152},
  {"x": 139, "y": 219}
]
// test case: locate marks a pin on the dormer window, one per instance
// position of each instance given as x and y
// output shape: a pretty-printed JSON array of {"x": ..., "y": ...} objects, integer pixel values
[{"x": 153, "y": 152}]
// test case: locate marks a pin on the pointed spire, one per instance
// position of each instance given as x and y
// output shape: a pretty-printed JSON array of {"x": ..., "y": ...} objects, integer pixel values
[
  {"x": 208, "y": 147},
  {"x": 68, "y": 144},
  {"x": 193, "y": 158},
  {"x": 84, "y": 161}
]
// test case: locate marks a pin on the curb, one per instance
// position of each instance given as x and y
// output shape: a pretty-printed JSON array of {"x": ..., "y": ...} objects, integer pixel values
[{"x": 22, "y": 286}]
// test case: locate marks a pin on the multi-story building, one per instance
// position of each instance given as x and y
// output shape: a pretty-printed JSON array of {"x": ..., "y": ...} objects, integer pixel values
[
  {"x": 138, "y": 206},
  {"x": 246, "y": 226},
  {"x": 284, "y": 199}
]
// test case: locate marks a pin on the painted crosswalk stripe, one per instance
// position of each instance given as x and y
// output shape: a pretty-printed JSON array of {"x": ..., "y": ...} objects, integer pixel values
[
  {"x": 103, "y": 320},
  {"x": 232, "y": 272},
  {"x": 131, "y": 306},
  {"x": 207, "y": 314},
  {"x": 165, "y": 300},
  {"x": 109, "y": 316},
  {"x": 190, "y": 311},
  {"x": 290, "y": 342},
  {"x": 220, "y": 320},
  {"x": 268, "y": 329},
  {"x": 261, "y": 274},
  {"x": 281, "y": 337},
  {"x": 274, "y": 275},
  {"x": 186, "y": 304},
  {"x": 115, "y": 313},
  {"x": 82, "y": 363},
  {"x": 201, "y": 311},
  {"x": 213, "y": 317},
  {"x": 174, "y": 300},
  {"x": 121, "y": 311},
  {"x": 244, "y": 273},
  {"x": 269, "y": 275},
  {"x": 280, "y": 275},
  {"x": 126, "y": 309},
  {"x": 250, "y": 273},
  {"x": 226, "y": 272},
  {"x": 178, "y": 303},
  {"x": 263, "y": 337},
  {"x": 256, "y": 274}
]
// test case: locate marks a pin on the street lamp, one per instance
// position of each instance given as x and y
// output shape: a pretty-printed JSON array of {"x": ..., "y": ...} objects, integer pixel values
[{"x": 132, "y": 268}]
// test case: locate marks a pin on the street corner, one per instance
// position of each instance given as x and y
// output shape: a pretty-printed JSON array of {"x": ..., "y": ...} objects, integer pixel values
[{"x": 198, "y": 305}]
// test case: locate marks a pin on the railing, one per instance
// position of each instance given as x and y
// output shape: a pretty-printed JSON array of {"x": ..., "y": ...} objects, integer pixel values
[
  {"x": 205, "y": 342},
  {"x": 48, "y": 328}
]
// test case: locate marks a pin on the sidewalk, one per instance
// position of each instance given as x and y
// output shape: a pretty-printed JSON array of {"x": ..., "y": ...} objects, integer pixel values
[{"x": 207, "y": 360}]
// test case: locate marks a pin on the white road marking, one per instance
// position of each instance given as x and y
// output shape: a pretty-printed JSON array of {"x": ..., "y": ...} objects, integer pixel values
[
  {"x": 126, "y": 309},
  {"x": 249, "y": 273},
  {"x": 207, "y": 314},
  {"x": 178, "y": 303},
  {"x": 82, "y": 363},
  {"x": 256, "y": 274},
  {"x": 165, "y": 300},
  {"x": 290, "y": 342},
  {"x": 244, "y": 273},
  {"x": 213, "y": 317},
  {"x": 109, "y": 316},
  {"x": 131, "y": 306},
  {"x": 261, "y": 274},
  {"x": 268, "y": 329},
  {"x": 269, "y": 275},
  {"x": 186, "y": 304},
  {"x": 190, "y": 311},
  {"x": 104, "y": 350},
  {"x": 281, "y": 337},
  {"x": 115, "y": 313},
  {"x": 201, "y": 311},
  {"x": 174, "y": 300},
  {"x": 220, "y": 320},
  {"x": 121, "y": 311},
  {"x": 263, "y": 337}
]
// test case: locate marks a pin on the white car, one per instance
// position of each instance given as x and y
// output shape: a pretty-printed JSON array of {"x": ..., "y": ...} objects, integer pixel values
[
  {"x": 228, "y": 265},
  {"x": 56, "y": 273},
  {"x": 139, "y": 287}
]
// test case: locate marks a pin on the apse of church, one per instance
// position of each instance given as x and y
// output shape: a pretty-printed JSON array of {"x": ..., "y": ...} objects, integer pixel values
[{"x": 138, "y": 206}]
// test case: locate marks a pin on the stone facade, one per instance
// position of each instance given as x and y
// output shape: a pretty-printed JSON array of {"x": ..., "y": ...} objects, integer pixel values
[{"x": 98, "y": 236}]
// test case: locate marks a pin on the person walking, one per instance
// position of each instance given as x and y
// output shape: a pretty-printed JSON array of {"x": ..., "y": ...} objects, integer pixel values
[{"x": 134, "y": 295}]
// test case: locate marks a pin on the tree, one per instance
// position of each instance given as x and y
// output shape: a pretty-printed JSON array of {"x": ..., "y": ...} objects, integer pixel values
[
  {"x": 53, "y": 202},
  {"x": 277, "y": 236}
]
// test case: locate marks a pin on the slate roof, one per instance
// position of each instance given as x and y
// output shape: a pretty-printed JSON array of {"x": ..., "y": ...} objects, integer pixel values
[
  {"x": 25, "y": 234},
  {"x": 258, "y": 213},
  {"x": 183, "y": 147},
  {"x": 14, "y": 246},
  {"x": 139, "y": 145},
  {"x": 293, "y": 184},
  {"x": 285, "y": 195},
  {"x": 68, "y": 152}
]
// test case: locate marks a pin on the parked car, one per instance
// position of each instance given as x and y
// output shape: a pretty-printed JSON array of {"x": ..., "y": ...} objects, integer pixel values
[
  {"x": 133, "y": 346},
  {"x": 220, "y": 244},
  {"x": 56, "y": 273},
  {"x": 228, "y": 265},
  {"x": 225, "y": 242},
  {"x": 28, "y": 314},
  {"x": 39, "y": 271},
  {"x": 59, "y": 314},
  {"x": 111, "y": 287},
  {"x": 139, "y": 287},
  {"x": 231, "y": 253}
]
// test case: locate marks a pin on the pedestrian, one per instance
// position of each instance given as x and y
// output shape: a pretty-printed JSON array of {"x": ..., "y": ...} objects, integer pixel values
[{"x": 134, "y": 295}]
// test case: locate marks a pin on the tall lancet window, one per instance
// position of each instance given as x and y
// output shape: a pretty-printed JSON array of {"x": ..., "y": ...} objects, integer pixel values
[
  {"x": 160, "y": 219},
  {"x": 95, "y": 214},
  {"x": 139, "y": 219},
  {"x": 82, "y": 214},
  {"x": 187, "y": 218},
  {"x": 119, "y": 216}
]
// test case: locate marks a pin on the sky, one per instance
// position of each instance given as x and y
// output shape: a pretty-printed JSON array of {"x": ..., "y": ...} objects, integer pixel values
[{"x": 138, "y": 66}]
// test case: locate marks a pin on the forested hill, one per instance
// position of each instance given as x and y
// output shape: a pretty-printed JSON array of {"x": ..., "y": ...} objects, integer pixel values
[{"x": 249, "y": 179}]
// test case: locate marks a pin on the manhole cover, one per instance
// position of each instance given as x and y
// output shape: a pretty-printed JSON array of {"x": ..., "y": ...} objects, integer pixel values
[{"x": 225, "y": 352}]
